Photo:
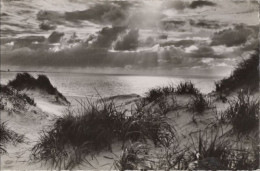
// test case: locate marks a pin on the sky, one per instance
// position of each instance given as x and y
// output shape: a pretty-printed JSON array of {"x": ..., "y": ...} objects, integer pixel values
[{"x": 149, "y": 36}]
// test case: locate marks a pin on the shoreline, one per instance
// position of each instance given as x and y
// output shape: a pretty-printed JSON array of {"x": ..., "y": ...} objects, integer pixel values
[{"x": 123, "y": 74}]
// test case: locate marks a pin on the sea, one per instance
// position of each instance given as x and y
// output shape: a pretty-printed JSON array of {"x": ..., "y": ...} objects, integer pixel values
[{"x": 92, "y": 85}]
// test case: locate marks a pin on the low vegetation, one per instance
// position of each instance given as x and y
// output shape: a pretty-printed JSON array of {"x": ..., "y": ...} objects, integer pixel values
[
  {"x": 245, "y": 76},
  {"x": 156, "y": 93},
  {"x": 133, "y": 157},
  {"x": 210, "y": 144},
  {"x": 94, "y": 129},
  {"x": 199, "y": 103},
  {"x": 140, "y": 156},
  {"x": 17, "y": 99},
  {"x": 25, "y": 81},
  {"x": 243, "y": 113},
  {"x": 186, "y": 88},
  {"x": 97, "y": 125},
  {"x": 214, "y": 151},
  {"x": 167, "y": 104},
  {"x": 6, "y": 91},
  {"x": 7, "y": 135}
]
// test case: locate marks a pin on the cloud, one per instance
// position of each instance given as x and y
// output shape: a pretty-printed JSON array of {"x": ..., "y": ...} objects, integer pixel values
[
  {"x": 80, "y": 56},
  {"x": 55, "y": 37},
  {"x": 191, "y": 49},
  {"x": 51, "y": 16},
  {"x": 47, "y": 26},
  {"x": 233, "y": 37},
  {"x": 115, "y": 13},
  {"x": 201, "y": 3},
  {"x": 106, "y": 36},
  {"x": 129, "y": 41},
  {"x": 27, "y": 41},
  {"x": 202, "y": 52},
  {"x": 208, "y": 24},
  {"x": 180, "y": 43},
  {"x": 175, "y": 4}
]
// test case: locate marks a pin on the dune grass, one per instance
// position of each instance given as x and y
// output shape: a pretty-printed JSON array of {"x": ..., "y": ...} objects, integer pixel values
[
  {"x": 133, "y": 157},
  {"x": 140, "y": 156},
  {"x": 7, "y": 135},
  {"x": 183, "y": 88},
  {"x": 199, "y": 103},
  {"x": 25, "y": 81},
  {"x": 186, "y": 88},
  {"x": 7, "y": 91},
  {"x": 166, "y": 105},
  {"x": 156, "y": 93},
  {"x": 246, "y": 159},
  {"x": 210, "y": 144},
  {"x": 17, "y": 99},
  {"x": 243, "y": 113},
  {"x": 213, "y": 150},
  {"x": 94, "y": 129},
  {"x": 245, "y": 76}
]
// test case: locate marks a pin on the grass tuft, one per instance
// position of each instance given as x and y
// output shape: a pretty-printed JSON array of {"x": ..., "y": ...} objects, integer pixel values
[
  {"x": 18, "y": 99},
  {"x": 199, "y": 103},
  {"x": 94, "y": 129},
  {"x": 133, "y": 157},
  {"x": 210, "y": 144},
  {"x": 7, "y": 135},
  {"x": 245, "y": 76},
  {"x": 243, "y": 113},
  {"x": 166, "y": 105},
  {"x": 156, "y": 93},
  {"x": 186, "y": 88}
]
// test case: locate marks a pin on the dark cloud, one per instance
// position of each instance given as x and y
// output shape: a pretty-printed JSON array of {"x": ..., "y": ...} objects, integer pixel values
[
  {"x": 47, "y": 26},
  {"x": 129, "y": 41},
  {"x": 175, "y": 4},
  {"x": 204, "y": 52},
  {"x": 106, "y": 36},
  {"x": 251, "y": 45},
  {"x": 172, "y": 24},
  {"x": 51, "y": 16},
  {"x": 163, "y": 36},
  {"x": 79, "y": 57},
  {"x": 208, "y": 24},
  {"x": 55, "y": 37},
  {"x": 180, "y": 43},
  {"x": 233, "y": 37},
  {"x": 150, "y": 41},
  {"x": 201, "y": 3},
  {"x": 115, "y": 13},
  {"x": 89, "y": 56},
  {"x": 26, "y": 41},
  {"x": 181, "y": 5},
  {"x": 176, "y": 57}
]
